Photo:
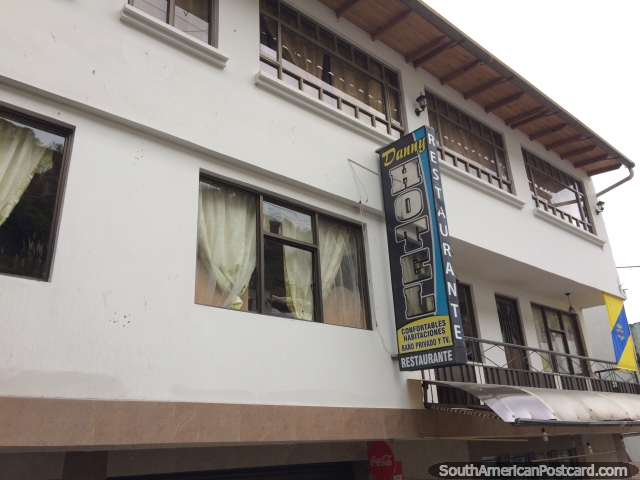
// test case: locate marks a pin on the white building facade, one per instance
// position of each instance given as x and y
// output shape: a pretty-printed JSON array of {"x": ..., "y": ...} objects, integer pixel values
[{"x": 142, "y": 334}]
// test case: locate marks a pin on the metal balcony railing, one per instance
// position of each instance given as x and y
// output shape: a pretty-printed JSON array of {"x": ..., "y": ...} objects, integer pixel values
[{"x": 507, "y": 364}]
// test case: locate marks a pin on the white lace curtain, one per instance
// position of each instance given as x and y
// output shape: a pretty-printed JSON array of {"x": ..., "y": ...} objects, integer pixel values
[
  {"x": 339, "y": 272},
  {"x": 227, "y": 259},
  {"x": 298, "y": 273},
  {"x": 226, "y": 245},
  {"x": 21, "y": 156},
  {"x": 340, "y": 275}
]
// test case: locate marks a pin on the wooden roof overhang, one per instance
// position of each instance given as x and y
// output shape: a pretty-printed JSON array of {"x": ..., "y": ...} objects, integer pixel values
[{"x": 428, "y": 41}]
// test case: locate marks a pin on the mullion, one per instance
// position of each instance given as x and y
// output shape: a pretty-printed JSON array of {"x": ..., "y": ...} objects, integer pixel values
[
  {"x": 291, "y": 242},
  {"x": 260, "y": 257},
  {"x": 171, "y": 12}
]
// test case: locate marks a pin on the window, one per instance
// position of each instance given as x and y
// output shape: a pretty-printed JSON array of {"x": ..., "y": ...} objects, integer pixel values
[
  {"x": 193, "y": 17},
  {"x": 309, "y": 57},
  {"x": 261, "y": 255},
  {"x": 33, "y": 158},
  {"x": 511, "y": 328},
  {"x": 557, "y": 331},
  {"x": 556, "y": 192},
  {"x": 468, "y": 322},
  {"x": 469, "y": 144}
]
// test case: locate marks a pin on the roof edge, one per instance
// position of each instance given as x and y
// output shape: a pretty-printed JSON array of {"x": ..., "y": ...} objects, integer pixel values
[{"x": 503, "y": 69}]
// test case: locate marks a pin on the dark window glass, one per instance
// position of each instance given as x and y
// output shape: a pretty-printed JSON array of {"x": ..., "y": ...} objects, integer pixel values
[
  {"x": 32, "y": 165},
  {"x": 360, "y": 59},
  {"x": 344, "y": 49},
  {"x": 327, "y": 39},
  {"x": 289, "y": 16},
  {"x": 392, "y": 78},
  {"x": 268, "y": 37},
  {"x": 395, "y": 110},
  {"x": 308, "y": 27},
  {"x": 375, "y": 68},
  {"x": 269, "y": 6}
]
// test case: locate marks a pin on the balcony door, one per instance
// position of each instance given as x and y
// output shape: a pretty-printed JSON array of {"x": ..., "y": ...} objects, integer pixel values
[
  {"x": 558, "y": 332},
  {"x": 511, "y": 328}
]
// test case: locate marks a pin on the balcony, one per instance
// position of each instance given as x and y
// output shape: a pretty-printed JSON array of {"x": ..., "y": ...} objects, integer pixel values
[{"x": 496, "y": 363}]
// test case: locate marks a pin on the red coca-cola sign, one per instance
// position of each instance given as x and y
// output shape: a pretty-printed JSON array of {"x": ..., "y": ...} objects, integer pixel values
[{"x": 381, "y": 461}]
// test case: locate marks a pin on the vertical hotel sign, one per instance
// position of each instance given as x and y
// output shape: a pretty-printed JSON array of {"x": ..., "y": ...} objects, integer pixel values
[{"x": 428, "y": 324}]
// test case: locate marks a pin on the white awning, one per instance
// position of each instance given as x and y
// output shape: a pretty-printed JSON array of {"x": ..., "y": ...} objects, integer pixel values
[{"x": 529, "y": 405}]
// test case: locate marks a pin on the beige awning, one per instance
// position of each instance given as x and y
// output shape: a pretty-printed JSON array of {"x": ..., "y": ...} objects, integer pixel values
[{"x": 529, "y": 405}]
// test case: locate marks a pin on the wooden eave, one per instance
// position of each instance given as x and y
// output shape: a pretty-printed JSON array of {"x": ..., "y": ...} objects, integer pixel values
[{"x": 428, "y": 41}]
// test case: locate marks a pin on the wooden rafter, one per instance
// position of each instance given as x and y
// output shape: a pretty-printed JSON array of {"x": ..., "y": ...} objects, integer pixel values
[
  {"x": 524, "y": 116},
  {"x": 531, "y": 119},
  {"x": 425, "y": 49},
  {"x": 483, "y": 88},
  {"x": 547, "y": 131},
  {"x": 580, "y": 151},
  {"x": 343, "y": 10},
  {"x": 604, "y": 170},
  {"x": 504, "y": 102},
  {"x": 424, "y": 59},
  {"x": 458, "y": 73},
  {"x": 566, "y": 141},
  {"x": 389, "y": 25},
  {"x": 591, "y": 161}
]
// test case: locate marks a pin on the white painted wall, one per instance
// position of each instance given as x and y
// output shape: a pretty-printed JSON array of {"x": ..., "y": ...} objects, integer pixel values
[{"x": 117, "y": 319}]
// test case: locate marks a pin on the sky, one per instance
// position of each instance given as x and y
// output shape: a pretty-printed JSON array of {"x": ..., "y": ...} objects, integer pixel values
[{"x": 583, "y": 55}]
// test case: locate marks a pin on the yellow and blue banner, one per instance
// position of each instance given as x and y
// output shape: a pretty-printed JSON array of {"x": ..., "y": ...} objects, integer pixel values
[{"x": 620, "y": 333}]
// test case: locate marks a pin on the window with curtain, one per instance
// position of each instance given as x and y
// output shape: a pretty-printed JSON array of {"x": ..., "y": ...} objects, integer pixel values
[
  {"x": 32, "y": 167},
  {"x": 193, "y": 17},
  {"x": 557, "y": 192},
  {"x": 469, "y": 144},
  {"x": 309, "y": 57},
  {"x": 262, "y": 255}
]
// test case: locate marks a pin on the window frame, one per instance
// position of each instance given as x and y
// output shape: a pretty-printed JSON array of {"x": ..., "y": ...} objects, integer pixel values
[
  {"x": 305, "y": 81},
  {"x": 465, "y": 296},
  {"x": 261, "y": 235},
  {"x": 537, "y": 164},
  {"x": 514, "y": 356},
  {"x": 463, "y": 162},
  {"x": 170, "y": 20},
  {"x": 545, "y": 311},
  {"x": 41, "y": 122}
]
